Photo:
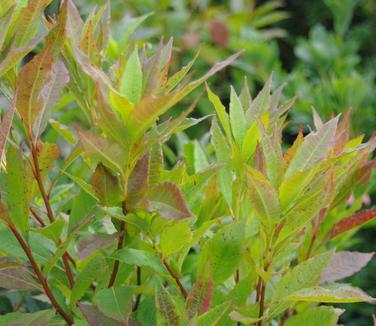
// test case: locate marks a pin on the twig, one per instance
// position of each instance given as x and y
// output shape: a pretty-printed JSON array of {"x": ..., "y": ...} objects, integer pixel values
[
  {"x": 119, "y": 246},
  {"x": 138, "y": 298},
  {"x": 40, "y": 276},
  {"x": 176, "y": 278},
  {"x": 50, "y": 213}
]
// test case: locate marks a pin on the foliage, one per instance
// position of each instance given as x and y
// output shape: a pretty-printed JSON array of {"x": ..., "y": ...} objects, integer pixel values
[{"x": 98, "y": 229}]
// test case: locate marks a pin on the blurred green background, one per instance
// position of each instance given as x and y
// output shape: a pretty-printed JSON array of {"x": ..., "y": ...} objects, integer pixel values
[{"x": 324, "y": 50}]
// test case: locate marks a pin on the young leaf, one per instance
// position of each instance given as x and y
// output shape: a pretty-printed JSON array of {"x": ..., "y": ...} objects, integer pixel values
[
  {"x": 167, "y": 312},
  {"x": 106, "y": 186},
  {"x": 200, "y": 295},
  {"x": 345, "y": 264},
  {"x": 138, "y": 182},
  {"x": 174, "y": 237},
  {"x": 237, "y": 118},
  {"x": 220, "y": 110},
  {"x": 101, "y": 149},
  {"x": 131, "y": 81},
  {"x": 264, "y": 197},
  {"x": 115, "y": 302},
  {"x": 314, "y": 148},
  {"x": 17, "y": 188},
  {"x": 168, "y": 201}
]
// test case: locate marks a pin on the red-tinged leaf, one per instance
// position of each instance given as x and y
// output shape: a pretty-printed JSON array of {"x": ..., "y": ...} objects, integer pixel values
[
  {"x": 150, "y": 108},
  {"x": 27, "y": 24},
  {"x": 200, "y": 295},
  {"x": 353, "y": 221},
  {"x": 292, "y": 150},
  {"x": 314, "y": 148},
  {"x": 108, "y": 121},
  {"x": 41, "y": 80},
  {"x": 100, "y": 149},
  {"x": 345, "y": 264},
  {"x": 86, "y": 247},
  {"x": 167, "y": 312},
  {"x": 138, "y": 182},
  {"x": 5, "y": 127},
  {"x": 168, "y": 201},
  {"x": 219, "y": 33},
  {"x": 95, "y": 317},
  {"x": 17, "y": 278},
  {"x": 106, "y": 186}
]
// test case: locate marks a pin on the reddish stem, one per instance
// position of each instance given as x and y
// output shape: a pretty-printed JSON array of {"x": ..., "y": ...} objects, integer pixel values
[
  {"x": 176, "y": 278},
  {"x": 40, "y": 276}
]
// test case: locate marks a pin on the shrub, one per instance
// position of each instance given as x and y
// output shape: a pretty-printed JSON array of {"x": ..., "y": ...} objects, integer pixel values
[{"x": 101, "y": 231}]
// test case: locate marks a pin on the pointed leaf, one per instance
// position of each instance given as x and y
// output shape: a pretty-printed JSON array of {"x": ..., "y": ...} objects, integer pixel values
[
  {"x": 264, "y": 197},
  {"x": 115, "y": 302},
  {"x": 106, "y": 186},
  {"x": 17, "y": 188},
  {"x": 138, "y": 182},
  {"x": 314, "y": 148},
  {"x": 167, "y": 312},
  {"x": 345, "y": 264},
  {"x": 313, "y": 316},
  {"x": 237, "y": 118},
  {"x": 168, "y": 201},
  {"x": 131, "y": 81},
  {"x": 200, "y": 295},
  {"x": 353, "y": 221},
  {"x": 332, "y": 293},
  {"x": 174, "y": 237}
]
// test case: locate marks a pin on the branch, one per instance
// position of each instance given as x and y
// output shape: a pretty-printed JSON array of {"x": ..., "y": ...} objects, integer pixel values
[
  {"x": 50, "y": 213},
  {"x": 176, "y": 278},
  {"x": 119, "y": 246},
  {"x": 40, "y": 276}
]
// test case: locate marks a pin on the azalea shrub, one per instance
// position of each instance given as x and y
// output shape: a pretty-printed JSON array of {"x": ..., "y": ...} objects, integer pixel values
[{"x": 106, "y": 222}]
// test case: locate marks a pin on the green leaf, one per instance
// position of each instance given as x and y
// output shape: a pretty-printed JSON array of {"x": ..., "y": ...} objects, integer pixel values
[
  {"x": 83, "y": 185},
  {"x": 220, "y": 110},
  {"x": 313, "y": 316},
  {"x": 52, "y": 231},
  {"x": 131, "y": 80},
  {"x": 17, "y": 188},
  {"x": 224, "y": 252},
  {"x": 115, "y": 302},
  {"x": 332, "y": 293},
  {"x": 314, "y": 148},
  {"x": 214, "y": 315},
  {"x": 27, "y": 319},
  {"x": 106, "y": 186},
  {"x": 167, "y": 312},
  {"x": 237, "y": 118},
  {"x": 263, "y": 197},
  {"x": 304, "y": 275},
  {"x": 223, "y": 154},
  {"x": 85, "y": 278},
  {"x": 139, "y": 257},
  {"x": 167, "y": 200},
  {"x": 174, "y": 237},
  {"x": 63, "y": 131},
  {"x": 101, "y": 149},
  {"x": 129, "y": 26}
]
